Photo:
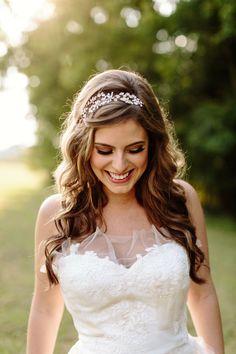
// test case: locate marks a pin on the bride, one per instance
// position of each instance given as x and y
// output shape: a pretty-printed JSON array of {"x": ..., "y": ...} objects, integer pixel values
[{"x": 123, "y": 244}]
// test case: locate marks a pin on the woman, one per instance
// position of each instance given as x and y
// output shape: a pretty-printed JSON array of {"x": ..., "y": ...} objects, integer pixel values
[{"x": 124, "y": 240}]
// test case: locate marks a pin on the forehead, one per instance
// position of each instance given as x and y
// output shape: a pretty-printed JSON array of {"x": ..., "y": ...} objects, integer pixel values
[{"x": 123, "y": 133}]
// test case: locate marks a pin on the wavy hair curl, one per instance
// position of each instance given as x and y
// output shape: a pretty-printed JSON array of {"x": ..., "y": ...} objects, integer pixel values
[{"x": 82, "y": 195}]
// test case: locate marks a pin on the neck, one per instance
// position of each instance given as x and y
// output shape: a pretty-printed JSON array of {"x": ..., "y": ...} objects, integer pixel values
[
  {"x": 123, "y": 214},
  {"x": 122, "y": 200}
]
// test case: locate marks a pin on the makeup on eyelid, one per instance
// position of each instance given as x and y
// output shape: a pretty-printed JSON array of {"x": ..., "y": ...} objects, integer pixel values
[{"x": 130, "y": 151}]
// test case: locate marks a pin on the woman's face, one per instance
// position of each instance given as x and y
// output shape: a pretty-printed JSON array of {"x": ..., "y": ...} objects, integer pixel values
[{"x": 120, "y": 156}]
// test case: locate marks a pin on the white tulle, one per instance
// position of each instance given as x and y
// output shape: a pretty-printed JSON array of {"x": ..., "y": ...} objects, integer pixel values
[{"x": 127, "y": 294}]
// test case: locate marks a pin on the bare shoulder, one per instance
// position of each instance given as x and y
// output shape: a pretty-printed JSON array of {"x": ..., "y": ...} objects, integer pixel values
[
  {"x": 188, "y": 188},
  {"x": 45, "y": 225},
  {"x": 193, "y": 203},
  {"x": 191, "y": 195},
  {"x": 194, "y": 209},
  {"x": 50, "y": 206}
]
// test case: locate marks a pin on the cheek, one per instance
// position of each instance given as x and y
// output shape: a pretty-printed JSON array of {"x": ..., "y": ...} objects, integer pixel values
[
  {"x": 97, "y": 161},
  {"x": 142, "y": 161}
]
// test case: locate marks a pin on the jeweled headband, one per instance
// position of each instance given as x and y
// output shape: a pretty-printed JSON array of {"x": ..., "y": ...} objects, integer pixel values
[{"x": 102, "y": 99}]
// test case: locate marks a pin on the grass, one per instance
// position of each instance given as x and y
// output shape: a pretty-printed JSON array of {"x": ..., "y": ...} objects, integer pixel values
[
  {"x": 222, "y": 241},
  {"x": 21, "y": 194}
]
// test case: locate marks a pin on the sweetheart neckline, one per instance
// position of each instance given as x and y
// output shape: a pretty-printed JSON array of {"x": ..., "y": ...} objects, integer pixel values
[{"x": 139, "y": 257}]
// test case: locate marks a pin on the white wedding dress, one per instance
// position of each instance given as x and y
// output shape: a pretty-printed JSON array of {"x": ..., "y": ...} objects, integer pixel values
[{"x": 127, "y": 294}]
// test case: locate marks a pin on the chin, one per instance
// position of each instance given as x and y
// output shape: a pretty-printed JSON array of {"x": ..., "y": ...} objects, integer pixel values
[{"x": 119, "y": 190}]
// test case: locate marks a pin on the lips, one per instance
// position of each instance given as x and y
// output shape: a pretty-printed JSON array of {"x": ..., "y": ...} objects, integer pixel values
[{"x": 118, "y": 177}]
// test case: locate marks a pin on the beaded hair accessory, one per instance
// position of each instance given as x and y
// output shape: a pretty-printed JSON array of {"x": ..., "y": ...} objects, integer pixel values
[{"x": 102, "y": 99}]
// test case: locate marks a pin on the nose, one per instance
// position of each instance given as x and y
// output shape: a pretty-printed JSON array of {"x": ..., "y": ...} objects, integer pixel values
[{"x": 119, "y": 162}]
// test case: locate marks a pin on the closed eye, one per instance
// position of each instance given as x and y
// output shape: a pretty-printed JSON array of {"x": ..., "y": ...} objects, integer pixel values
[
  {"x": 136, "y": 150},
  {"x": 131, "y": 151},
  {"x": 104, "y": 152}
]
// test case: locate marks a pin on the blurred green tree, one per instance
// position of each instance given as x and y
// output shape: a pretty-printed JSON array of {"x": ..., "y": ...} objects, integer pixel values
[
  {"x": 204, "y": 103},
  {"x": 188, "y": 56}
]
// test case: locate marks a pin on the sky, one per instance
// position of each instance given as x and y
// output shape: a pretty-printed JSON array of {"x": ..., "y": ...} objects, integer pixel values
[{"x": 17, "y": 122}]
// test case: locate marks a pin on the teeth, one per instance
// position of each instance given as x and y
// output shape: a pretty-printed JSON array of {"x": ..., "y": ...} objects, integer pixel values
[{"x": 116, "y": 176}]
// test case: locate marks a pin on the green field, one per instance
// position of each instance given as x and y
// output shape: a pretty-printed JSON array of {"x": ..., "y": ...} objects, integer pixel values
[{"x": 21, "y": 194}]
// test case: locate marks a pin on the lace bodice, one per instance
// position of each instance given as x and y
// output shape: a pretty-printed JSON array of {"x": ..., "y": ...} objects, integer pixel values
[{"x": 127, "y": 294}]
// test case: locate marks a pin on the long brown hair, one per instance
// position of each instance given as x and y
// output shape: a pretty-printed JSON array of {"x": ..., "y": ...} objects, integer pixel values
[{"x": 82, "y": 195}]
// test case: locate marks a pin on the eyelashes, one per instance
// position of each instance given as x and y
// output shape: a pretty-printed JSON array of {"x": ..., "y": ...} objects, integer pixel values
[
  {"x": 101, "y": 152},
  {"x": 136, "y": 150},
  {"x": 131, "y": 151}
]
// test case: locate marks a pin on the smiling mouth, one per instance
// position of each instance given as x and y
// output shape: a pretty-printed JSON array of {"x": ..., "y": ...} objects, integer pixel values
[{"x": 119, "y": 177}]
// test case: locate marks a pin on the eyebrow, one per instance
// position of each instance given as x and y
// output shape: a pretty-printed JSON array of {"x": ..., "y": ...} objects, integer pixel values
[{"x": 107, "y": 145}]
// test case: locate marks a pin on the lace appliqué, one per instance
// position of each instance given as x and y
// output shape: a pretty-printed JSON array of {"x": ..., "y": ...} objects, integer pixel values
[
  {"x": 199, "y": 243},
  {"x": 127, "y": 294}
]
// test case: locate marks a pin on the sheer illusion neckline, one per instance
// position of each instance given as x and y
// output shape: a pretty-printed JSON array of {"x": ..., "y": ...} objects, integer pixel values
[
  {"x": 124, "y": 250},
  {"x": 114, "y": 237},
  {"x": 153, "y": 230}
]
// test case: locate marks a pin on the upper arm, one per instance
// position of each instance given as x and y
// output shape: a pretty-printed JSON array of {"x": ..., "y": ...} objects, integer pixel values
[
  {"x": 46, "y": 298},
  {"x": 196, "y": 216}
]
